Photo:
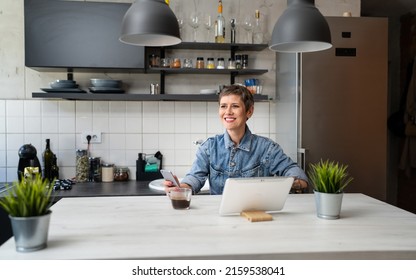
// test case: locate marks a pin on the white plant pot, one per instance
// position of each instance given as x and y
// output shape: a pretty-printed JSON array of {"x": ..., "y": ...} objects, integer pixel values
[
  {"x": 328, "y": 205},
  {"x": 30, "y": 233}
]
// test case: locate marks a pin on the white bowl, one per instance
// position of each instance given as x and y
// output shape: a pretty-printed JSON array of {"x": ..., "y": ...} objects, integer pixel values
[{"x": 208, "y": 91}]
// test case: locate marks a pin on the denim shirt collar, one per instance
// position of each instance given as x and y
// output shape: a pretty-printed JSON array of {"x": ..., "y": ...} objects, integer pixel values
[{"x": 245, "y": 143}]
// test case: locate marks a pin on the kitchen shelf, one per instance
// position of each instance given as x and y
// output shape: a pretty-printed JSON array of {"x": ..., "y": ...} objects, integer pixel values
[
  {"x": 134, "y": 96},
  {"x": 207, "y": 71},
  {"x": 232, "y": 48}
]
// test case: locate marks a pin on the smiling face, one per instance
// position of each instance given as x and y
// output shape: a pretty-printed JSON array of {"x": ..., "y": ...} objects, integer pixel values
[{"x": 233, "y": 113}]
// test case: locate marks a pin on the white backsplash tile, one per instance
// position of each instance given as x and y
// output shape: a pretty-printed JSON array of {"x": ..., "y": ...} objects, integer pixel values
[
  {"x": 32, "y": 124},
  {"x": 66, "y": 124},
  {"x": 15, "y": 124},
  {"x": 14, "y": 108},
  {"x": 50, "y": 108},
  {"x": 117, "y": 125},
  {"x": 2, "y": 124},
  {"x": 134, "y": 125},
  {"x": 32, "y": 108}
]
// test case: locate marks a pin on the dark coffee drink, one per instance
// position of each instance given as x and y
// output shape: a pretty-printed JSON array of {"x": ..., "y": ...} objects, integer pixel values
[{"x": 180, "y": 203}]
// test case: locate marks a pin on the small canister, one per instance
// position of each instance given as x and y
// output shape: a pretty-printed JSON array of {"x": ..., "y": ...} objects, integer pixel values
[
  {"x": 121, "y": 173},
  {"x": 238, "y": 61},
  {"x": 176, "y": 63},
  {"x": 210, "y": 63},
  {"x": 200, "y": 63},
  {"x": 154, "y": 60},
  {"x": 244, "y": 61},
  {"x": 220, "y": 63},
  {"x": 154, "y": 88},
  {"x": 94, "y": 169},
  {"x": 107, "y": 172}
]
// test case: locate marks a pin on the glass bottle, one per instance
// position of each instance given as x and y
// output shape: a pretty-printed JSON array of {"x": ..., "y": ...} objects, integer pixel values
[
  {"x": 233, "y": 31},
  {"x": 257, "y": 32},
  {"x": 54, "y": 169},
  {"x": 220, "y": 25},
  {"x": 47, "y": 157}
]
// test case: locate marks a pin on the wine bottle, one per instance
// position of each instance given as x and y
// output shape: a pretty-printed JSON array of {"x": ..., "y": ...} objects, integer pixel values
[
  {"x": 54, "y": 169},
  {"x": 220, "y": 25},
  {"x": 257, "y": 32},
  {"x": 47, "y": 157}
]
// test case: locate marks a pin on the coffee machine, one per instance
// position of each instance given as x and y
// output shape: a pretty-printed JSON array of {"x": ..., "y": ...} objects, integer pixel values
[{"x": 28, "y": 158}]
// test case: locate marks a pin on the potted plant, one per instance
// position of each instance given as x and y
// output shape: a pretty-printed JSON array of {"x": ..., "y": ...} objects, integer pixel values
[
  {"x": 27, "y": 204},
  {"x": 329, "y": 179}
]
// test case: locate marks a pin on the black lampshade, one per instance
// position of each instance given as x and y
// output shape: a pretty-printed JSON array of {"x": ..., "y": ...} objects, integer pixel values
[
  {"x": 301, "y": 28},
  {"x": 150, "y": 23}
]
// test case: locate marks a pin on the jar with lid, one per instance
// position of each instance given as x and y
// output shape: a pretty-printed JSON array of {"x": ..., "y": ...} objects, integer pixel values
[
  {"x": 244, "y": 61},
  {"x": 81, "y": 166},
  {"x": 231, "y": 63},
  {"x": 176, "y": 63},
  {"x": 121, "y": 173},
  {"x": 237, "y": 61},
  {"x": 200, "y": 63},
  {"x": 220, "y": 63},
  {"x": 154, "y": 60},
  {"x": 107, "y": 172},
  {"x": 210, "y": 63},
  {"x": 94, "y": 174}
]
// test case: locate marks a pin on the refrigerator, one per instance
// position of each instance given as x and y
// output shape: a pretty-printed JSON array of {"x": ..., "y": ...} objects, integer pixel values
[{"x": 340, "y": 101}]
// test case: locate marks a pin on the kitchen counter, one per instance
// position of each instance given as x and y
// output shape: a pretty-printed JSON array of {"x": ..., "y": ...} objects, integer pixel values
[
  {"x": 88, "y": 189},
  {"x": 147, "y": 227},
  {"x": 129, "y": 188}
]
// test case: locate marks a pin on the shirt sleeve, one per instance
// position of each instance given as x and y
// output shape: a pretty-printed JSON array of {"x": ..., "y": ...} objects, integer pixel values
[
  {"x": 282, "y": 165},
  {"x": 199, "y": 172}
]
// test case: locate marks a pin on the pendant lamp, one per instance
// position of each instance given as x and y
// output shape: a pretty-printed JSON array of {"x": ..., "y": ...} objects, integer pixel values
[
  {"x": 150, "y": 23},
  {"x": 301, "y": 28}
]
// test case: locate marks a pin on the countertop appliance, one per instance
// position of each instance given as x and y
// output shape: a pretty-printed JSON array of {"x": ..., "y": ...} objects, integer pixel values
[{"x": 27, "y": 158}]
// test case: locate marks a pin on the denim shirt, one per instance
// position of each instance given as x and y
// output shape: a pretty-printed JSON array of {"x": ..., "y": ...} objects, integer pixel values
[{"x": 218, "y": 159}]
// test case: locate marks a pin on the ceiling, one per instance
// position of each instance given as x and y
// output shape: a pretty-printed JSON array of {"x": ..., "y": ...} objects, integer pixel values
[{"x": 387, "y": 8}]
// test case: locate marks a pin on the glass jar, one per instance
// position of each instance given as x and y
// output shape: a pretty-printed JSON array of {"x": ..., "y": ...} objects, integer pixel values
[
  {"x": 220, "y": 63},
  {"x": 165, "y": 62},
  {"x": 94, "y": 169},
  {"x": 81, "y": 166},
  {"x": 187, "y": 63},
  {"x": 154, "y": 60},
  {"x": 107, "y": 172},
  {"x": 200, "y": 63},
  {"x": 176, "y": 63},
  {"x": 210, "y": 63},
  {"x": 121, "y": 174},
  {"x": 244, "y": 61},
  {"x": 231, "y": 63},
  {"x": 237, "y": 61}
]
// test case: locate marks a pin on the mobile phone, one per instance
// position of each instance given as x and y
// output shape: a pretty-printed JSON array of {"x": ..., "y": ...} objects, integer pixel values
[{"x": 168, "y": 175}]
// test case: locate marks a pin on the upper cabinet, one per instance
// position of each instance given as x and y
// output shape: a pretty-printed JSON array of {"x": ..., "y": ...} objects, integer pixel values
[{"x": 81, "y": 36}]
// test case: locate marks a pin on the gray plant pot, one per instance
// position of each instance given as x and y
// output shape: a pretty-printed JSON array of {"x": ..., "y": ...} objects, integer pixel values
[
  {"x": 328, "y": 205},
  {"x": 30, "y": 233}
]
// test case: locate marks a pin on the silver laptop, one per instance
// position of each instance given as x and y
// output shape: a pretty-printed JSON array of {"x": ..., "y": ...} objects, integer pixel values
[{"x": 259, "y": 193}]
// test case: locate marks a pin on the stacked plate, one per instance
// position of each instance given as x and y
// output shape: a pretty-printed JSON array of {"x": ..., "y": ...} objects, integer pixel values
[
  {"x": 105, "y": 86},
  {"x": 63, "y": 86}
]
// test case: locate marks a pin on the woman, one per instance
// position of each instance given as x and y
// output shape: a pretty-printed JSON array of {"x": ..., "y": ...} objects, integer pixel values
[{"x": 238, "y": 152}]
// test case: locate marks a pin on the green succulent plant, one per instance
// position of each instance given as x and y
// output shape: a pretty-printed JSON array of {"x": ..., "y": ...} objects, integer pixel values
[
  {"x": 329, "y": 176},
  {"x": 27, "y": 198}
]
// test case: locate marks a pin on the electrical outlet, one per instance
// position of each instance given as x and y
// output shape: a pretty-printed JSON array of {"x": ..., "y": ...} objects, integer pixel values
[{"x": 95, "y": 137}]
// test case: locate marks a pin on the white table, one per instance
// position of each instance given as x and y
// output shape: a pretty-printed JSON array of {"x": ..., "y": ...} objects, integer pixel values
[{"x": 148, "y": 228}]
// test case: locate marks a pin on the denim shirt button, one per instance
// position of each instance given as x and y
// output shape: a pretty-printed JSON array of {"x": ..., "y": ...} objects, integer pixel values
[{"x": 232, "y": 163}]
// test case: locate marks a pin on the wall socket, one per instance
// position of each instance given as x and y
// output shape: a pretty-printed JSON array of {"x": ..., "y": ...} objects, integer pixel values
[{"x": 95, "y": 137}]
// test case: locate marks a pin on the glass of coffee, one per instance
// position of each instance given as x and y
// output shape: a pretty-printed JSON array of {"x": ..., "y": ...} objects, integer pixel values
[{"x": 180, "y": 197}]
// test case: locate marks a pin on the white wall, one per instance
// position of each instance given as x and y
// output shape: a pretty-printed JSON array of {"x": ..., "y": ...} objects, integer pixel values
[{"x": 132, "y": 127}]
